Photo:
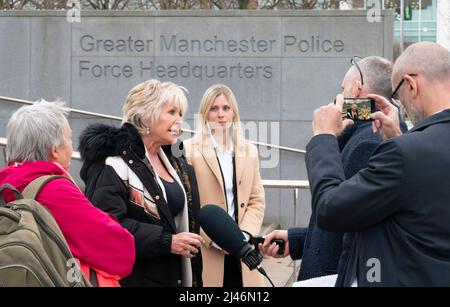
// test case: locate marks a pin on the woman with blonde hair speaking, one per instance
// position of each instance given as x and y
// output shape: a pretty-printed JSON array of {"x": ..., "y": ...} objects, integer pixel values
[
  {"x": 227, "y": 169},
  {"x": 133, "y": 173}
]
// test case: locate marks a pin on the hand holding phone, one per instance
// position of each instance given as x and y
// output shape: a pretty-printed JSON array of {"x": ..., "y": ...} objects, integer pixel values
[
  {"x": 327, "y": 119},
  {"x": 386, "y": 119}
]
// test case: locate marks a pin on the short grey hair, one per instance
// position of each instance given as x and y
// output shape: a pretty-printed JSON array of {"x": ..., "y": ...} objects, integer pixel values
[
  {"x": 33, "y": 130},
  {"x": 430, "y": 60},
  {"x": 377, "y": 72},
  {"x": 146, "y": 100}
]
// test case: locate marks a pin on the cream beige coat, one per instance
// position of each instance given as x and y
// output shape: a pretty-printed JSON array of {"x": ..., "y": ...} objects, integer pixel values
[{"x": 251, "y": 204}]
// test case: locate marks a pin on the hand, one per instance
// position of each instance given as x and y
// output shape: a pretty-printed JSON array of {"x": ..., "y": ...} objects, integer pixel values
[
  {"x": 186, "y": 244},
  {"x": 271, "y": 249},
  {"x": 386, "y": 119},
  {"x": 328, "y": 119}
]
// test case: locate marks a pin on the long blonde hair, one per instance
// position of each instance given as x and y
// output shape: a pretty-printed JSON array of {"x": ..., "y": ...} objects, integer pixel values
[{"x": 206, "y": 103}]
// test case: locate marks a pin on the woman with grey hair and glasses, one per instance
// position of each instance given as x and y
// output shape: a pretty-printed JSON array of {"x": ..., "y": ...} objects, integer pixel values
[
  {"x": 40, "y": 143},
  {"x": 137, "y": 174}
]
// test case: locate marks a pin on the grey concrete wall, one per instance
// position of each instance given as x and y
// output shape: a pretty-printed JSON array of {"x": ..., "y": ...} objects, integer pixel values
[{"x": 281, "y": 66}]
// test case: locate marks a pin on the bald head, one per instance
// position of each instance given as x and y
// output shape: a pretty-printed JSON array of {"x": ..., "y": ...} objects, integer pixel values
[{"x": 430, "y": 60}]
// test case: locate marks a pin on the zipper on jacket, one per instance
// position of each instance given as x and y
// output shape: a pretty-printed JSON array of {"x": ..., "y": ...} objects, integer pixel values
[{"x": 148, "y": 165}]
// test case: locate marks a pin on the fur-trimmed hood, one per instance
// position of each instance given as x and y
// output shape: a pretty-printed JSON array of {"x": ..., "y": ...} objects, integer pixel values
[{"x": 99, "y": 141}]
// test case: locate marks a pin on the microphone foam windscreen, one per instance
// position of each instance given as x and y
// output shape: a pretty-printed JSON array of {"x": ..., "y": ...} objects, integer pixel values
[{"x": 221, "y": 228}]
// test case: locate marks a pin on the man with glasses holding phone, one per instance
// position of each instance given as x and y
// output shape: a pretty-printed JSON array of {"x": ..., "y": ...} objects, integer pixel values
[
  {"x": 323, "y": 252},
  {"x": 399, "y": 205}
]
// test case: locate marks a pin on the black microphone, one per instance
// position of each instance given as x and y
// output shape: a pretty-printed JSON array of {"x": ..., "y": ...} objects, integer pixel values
[{"x": 221, "y": 228}]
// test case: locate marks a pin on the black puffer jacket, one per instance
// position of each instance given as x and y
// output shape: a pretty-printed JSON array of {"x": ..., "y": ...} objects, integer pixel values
[{"x": 155, "y": 265}]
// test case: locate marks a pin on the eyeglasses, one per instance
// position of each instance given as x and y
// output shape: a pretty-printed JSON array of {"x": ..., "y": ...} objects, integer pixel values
[
  {"x": 354, "y": 61},
  {"x": 394, "y": 94}
]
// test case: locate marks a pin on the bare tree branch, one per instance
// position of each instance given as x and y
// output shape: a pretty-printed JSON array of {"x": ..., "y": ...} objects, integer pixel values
[{"x": 172, "y": 4}]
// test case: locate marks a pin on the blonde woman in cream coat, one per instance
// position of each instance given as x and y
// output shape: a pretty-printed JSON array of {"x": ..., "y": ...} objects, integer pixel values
[{"x": 227, "y": 171}]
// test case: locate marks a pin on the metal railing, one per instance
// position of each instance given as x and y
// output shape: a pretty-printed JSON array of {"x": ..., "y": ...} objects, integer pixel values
[
  {"x": 112, "y": 117},
  {"x": 296, "y": 185},
  {"x": 279, "y": 184},
  {"x": 3, "y": 146}
]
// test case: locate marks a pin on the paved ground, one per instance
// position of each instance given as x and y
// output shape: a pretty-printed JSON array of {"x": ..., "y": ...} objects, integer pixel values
[{"x": 280, "y": 271}]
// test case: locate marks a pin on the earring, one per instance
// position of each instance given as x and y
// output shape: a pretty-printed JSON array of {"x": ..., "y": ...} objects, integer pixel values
[{"x": 147, "y": 130}]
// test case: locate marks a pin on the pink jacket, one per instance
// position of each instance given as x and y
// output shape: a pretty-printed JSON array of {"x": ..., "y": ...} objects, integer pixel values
[{"x": 95, "y": 238}]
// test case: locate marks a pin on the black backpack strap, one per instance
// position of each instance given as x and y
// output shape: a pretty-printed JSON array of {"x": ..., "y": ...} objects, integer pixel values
[
  {"x": 34, "y": 187},
  {"x": 12, "y": 188},
  {"x": 93, "y": 277}
]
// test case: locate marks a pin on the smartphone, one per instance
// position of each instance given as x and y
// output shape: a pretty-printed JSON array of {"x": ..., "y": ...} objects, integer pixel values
[{"x": 358, "y": 109}]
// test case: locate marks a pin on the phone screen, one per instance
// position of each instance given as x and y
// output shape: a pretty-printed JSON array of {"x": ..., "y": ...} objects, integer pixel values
[{"x": 358, "y": 109}]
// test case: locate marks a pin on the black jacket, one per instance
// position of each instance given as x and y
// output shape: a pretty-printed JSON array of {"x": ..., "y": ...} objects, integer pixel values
[
  {"x": 321, "y": 250},
  {"x": 155, "y": 265},
  {"x": 398, "y": 205}
]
